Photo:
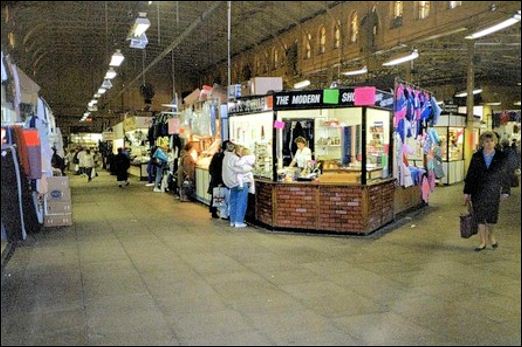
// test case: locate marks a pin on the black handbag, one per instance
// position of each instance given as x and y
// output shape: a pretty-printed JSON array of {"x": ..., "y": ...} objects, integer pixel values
[{"x": 468, "y": 223}]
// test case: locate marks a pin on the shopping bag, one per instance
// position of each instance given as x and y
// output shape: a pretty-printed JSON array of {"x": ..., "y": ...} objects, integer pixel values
[
  {"x": 219, "y": 196},
  {"x": 468, "y": 224}
]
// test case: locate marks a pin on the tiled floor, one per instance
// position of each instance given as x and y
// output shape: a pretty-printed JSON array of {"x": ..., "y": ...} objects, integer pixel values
[{"x": 140, "y": 268}]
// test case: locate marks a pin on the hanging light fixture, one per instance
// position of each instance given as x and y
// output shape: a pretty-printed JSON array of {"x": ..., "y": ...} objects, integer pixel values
[
  {"x": 96, "y": 96},
  {"x": 302, "y": 84},
  {"x": 502, "y": 25},
  {"x": 140, "y": 42},
  {"x": 412, "y": 56},
  {"x": 517, "y": 103},
  {"x": 117, "y": 58},
  {"x": 102, "y": 91},
  {"x": 94, "y": 101},
  {"x": 106, "y": 84},
  {"x": 140, "y": 26},
  {"x": 111, "y": 73},
  {"x": 497, "y": 103},
  {"x": 463, "y": 94}
]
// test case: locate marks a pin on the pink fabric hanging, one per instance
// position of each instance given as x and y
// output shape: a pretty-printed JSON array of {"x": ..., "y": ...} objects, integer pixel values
[{"x": 425, "y": 189}]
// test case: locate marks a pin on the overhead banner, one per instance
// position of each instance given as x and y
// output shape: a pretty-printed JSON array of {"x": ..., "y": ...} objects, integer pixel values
[{"x": 359, "y": 96}]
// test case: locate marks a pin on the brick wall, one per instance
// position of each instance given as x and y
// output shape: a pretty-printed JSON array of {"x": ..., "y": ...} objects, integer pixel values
[
  {"x": 337, "y": 209},
  {"x": 341, "y": 208},
  {"x": 264, "y": 203},
  {"x": 296, "y": 206}
]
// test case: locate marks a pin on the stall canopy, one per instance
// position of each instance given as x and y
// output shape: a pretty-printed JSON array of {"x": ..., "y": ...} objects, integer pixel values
[{"x": 28, "y": 88}]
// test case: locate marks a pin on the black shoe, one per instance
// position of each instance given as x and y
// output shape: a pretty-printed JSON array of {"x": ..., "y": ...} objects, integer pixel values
[
  {"x": 478, "y": 249},
  {"x": 214, "y": 215},
  {"x": 494, "y": 245}
]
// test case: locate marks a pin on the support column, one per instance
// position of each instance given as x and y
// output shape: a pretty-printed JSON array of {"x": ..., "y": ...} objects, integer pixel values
[{"x": 470, "y": 85}]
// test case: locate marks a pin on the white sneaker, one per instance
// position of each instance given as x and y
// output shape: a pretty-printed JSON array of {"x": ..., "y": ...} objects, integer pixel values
[
  {"x": 149, "y": 185},
  {"x": 156, "y": 190},
  {"x": 232, "y": 225},
  {"x": 240, "y": 225}
]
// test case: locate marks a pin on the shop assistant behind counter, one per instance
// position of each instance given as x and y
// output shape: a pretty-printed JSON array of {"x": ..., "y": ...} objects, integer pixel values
[{"x": 303, "y": 155}]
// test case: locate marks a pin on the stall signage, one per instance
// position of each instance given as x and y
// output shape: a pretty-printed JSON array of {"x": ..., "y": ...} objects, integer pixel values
[
  {"x": 331, "y": 97},
  {"x": 449, "y": 107},
  {"x": 299, "y": 99},
  {"x": 108, "y": 136},
  {"x": 251, "y": 105}
]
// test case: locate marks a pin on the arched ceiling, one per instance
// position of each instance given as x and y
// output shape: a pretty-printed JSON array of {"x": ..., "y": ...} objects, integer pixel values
[{"x": 65, "y": 46}]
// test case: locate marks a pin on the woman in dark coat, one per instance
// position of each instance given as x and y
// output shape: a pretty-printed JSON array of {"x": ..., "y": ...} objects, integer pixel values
[
  {"x": 486, "y": 183},
  {"x": 216, "y": 176},
  {"x": 121, "y": 164}
]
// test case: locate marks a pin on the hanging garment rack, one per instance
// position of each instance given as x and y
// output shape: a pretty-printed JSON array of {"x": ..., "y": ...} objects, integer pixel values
[{"x": 398, "y": 80}]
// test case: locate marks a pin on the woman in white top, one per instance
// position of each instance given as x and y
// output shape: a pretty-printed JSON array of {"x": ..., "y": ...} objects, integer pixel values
[{"x": 303, "y": 154}]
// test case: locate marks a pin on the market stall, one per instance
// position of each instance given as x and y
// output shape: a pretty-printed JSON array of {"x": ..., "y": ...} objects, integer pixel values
[
  {"x": 136, "y": 130},
  {"x": 452, "y": 135},
  {"x": 200, "y": 124},
  {"x": 346, "y": 185}
]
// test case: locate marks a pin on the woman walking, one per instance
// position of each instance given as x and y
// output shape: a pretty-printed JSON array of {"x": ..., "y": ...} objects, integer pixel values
[
  {"x": 486, "y": 184},
  {"x": 88, "y": 164}
]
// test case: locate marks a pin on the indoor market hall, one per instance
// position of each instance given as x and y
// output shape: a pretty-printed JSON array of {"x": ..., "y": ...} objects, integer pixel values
[{"x": 260, "y": 173}]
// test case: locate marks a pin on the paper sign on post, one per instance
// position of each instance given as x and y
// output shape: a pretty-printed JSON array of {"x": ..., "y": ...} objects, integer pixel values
[
  {"x": 279, "y": 124},
  {"x": 365, "y": 96}
]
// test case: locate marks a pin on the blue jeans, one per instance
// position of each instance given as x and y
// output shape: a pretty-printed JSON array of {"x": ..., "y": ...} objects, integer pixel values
[
  {"x": 151, "y": 171},
  {"x": 159, "y": 175},
  {"x": 238, "y": 204}
]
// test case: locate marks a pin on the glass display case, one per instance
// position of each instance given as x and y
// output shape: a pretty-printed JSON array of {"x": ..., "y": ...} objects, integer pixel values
[
  {"x": 254, "y": 131},
  {"x": 452, "y": 135},
  {"x": 335, "y": 137}
]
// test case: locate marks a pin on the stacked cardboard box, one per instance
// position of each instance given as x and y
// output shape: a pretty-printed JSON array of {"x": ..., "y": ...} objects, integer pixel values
[{"x": 58, "y": 207}]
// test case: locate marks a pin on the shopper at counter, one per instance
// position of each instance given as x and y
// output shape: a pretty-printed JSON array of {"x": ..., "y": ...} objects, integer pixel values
[
  {"x": 121, "y": 163},
  {"x": 238, "y": 196},
  {"x": 160, "y": 159},
  {"x": 186, "y": 173},
  {"x": 303, "y": 154},
  {"x": 151, "y": 168},
  {"x": 216, "y": 179}
]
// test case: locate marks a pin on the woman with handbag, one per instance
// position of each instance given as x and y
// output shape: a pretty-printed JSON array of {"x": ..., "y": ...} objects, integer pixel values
[
  {"x": 486, "y": 184},
  {"x": 216, "y": 178}
]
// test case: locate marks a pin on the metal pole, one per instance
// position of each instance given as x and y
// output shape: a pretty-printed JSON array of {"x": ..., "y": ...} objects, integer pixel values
[
  {"x": 159, "y": 33},
  {"x": 470, "y": 85},
  {"x": 229, "y": 5}
]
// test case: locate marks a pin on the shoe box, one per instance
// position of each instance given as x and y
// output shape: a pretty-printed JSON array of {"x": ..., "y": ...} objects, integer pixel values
[
  {"x": 58, "y": 189},
  {"x": 57, "y": 203}
]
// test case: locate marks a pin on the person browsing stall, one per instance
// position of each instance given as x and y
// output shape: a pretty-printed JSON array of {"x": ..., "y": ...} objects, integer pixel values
[{"x": 303, "y": 154}]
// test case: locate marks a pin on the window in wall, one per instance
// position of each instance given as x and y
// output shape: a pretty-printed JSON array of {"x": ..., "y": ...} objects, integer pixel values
[
  {"x": 337, "y": 37},
  {"x": 398, "y": 8},
  {"x": 354, "y": 27},
  {"x": 424, "y": 9},
  {"x": 322, "y": 40},
  {"x": 455, "y": 4},
  {"x": 308, "y": 46}
]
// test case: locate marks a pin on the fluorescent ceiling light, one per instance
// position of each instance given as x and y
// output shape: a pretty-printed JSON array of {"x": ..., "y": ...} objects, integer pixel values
[
  {"x": 96, "y": 96},
  {"x": 106, "y": 84},
  {"x": 102, "y": 91},
  {"x": 141, "y": 25},
  {"x": 463, "y": 94},
  {"x": 356, "y": 72},
  {"x": 518, "y": 83},
  {"x": 302, "y": 84},
  {"x": 170, "y": 105},
  {"x": 111, "y": 73},
  {"x": 493, "y": 103},
  {"x": 86, "y": 114},
  {"x": 517, "y": 103},
  {"x": 140, "y": 42},
  {"x": 502, "y": 25},
  {"x": 94, "y": 101},
  {"x": 117, "y": 58},
  {"x": 413, "y": 55},
  {"x": 150, "y": 2}
]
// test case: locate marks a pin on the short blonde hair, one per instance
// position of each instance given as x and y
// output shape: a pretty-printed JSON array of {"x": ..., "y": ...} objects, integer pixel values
[
  {"x": 488, "y": 135},
  {"x": 244, "y": 151}
]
